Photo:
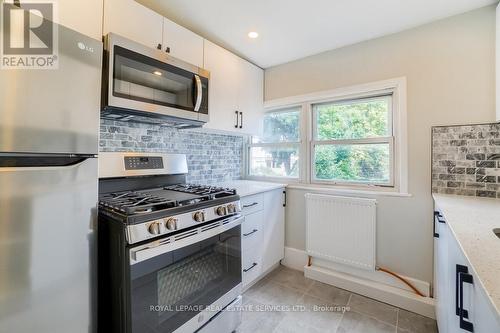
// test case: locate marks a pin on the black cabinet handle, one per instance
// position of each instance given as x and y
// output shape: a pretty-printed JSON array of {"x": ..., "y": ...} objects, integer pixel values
[
  {"x": 252, "y": 232},
  {"x": 251, "y": 205},
  {"x": 167, "y": 49},
  {"x": 159, "y": 47},
  {"x": 241, "y": 120},
  {"x": 249, "y": 268},
  {"x": 436, "y": 235},
  {"x": 284, "y": 194},
  {"x": 465, "y": 325},
  {"x": 237, "y": 119},
  {"x": 439, "y": 217},
  {"x": 458, "y": 311}
]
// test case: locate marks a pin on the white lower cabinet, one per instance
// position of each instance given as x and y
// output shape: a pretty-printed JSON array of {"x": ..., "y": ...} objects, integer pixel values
[
  {"x": 455, "y": 280},
  {"x": 262, "y": 234}
]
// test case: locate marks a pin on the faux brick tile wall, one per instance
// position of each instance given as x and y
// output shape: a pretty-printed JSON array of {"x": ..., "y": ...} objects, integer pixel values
[
  {"x": 466, "y": 160},
  {"x": 211, "y": 158}
]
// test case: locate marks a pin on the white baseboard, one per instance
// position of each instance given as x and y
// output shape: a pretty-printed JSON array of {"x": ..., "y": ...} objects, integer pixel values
[
  {"x": 295, "y": 259},
  {"x": 375, "y": 276},
  {"x": 371, "y": 284}
]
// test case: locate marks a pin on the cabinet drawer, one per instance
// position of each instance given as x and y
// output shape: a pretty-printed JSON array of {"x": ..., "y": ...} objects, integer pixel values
[
  {"x": 251, "y": 265},
  {"x": 251, "y": 231},
  {"x": 252, "y": 203}
]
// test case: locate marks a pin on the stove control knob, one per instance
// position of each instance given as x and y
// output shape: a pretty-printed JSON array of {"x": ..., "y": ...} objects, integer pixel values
[
  {"x": 221, "y": 211},
  {"x": 154, "y": 228},
  {"x": 171, "y": 224},
  {"x": 199, "y": 216},
  {"x": 231, "y": 208}
]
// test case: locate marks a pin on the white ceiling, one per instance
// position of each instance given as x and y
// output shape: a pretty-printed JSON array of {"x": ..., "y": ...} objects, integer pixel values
[{"x": 293, "y": 29}]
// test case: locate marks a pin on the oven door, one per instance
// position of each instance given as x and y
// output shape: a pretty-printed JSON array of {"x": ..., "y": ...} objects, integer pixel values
[
  {"x": 146, "y": 80},
  {"x": 175, "y": 279}
]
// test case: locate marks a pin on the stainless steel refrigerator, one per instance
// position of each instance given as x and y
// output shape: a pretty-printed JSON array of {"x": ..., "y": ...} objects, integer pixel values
[{"x": 49, "y": 125}]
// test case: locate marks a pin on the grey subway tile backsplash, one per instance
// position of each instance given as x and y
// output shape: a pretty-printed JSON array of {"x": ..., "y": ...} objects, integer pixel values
[
  {"x": 211, "y": 158},
  {"x": 466, "y": 160}
]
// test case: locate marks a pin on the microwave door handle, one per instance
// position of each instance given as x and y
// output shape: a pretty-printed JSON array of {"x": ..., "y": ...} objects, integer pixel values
[{"x": 199, "y": 93}]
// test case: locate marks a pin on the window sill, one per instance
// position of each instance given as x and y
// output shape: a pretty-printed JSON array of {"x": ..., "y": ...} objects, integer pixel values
[{"x": 344, "y": 190}]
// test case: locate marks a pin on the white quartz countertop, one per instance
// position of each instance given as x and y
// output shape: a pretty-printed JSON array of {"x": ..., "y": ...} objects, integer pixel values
[
  {"x": 472, "y": 221},
  {"x": 249, "y": 187}
]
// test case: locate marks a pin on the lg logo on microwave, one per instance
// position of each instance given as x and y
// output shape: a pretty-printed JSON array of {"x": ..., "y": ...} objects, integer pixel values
[
  {"x": 84, "y": 47},
  {"x": 29, "y": 36}
]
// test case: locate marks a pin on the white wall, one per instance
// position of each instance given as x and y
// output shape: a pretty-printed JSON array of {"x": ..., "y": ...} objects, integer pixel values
[{"x": 450, "y": 68}]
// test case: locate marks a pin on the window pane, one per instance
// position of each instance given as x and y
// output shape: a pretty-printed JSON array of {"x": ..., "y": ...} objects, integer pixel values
[
  {"x": 354, "y": 119},
  {"x": 282, "y": 126},
  {"x": 274, "y": 161},
  {"x": 365, "y": 163}
]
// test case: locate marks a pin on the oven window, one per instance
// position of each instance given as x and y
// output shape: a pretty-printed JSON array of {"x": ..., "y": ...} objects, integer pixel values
[
  {"x": 148, "y": 80},
  {"x": 170, "y": 289}
]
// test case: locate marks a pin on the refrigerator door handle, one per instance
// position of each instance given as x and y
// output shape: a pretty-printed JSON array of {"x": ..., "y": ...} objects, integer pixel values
[{"x": 41, "y": 160}]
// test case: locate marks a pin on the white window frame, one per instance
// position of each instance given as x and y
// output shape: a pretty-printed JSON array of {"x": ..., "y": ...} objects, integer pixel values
[
  {"x": 365, "y": 141},
  {"x": 399, "y": 162}
]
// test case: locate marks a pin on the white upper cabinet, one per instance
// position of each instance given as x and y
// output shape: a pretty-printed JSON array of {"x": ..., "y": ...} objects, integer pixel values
[
  {"x": 223, "y": 87},
  {"x": 251, "y": 98},
  {"x": 182, "y": 43},
  {"x": 134, "y": 21},
  {"x": 235, "y": 92}
]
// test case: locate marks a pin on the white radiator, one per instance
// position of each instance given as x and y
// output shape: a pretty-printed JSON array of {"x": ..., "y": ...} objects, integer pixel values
[{"x": 341, "y": 229}]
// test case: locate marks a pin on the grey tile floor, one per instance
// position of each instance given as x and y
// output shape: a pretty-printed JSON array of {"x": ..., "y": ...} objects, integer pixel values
[{"x": 286, "y": 301}]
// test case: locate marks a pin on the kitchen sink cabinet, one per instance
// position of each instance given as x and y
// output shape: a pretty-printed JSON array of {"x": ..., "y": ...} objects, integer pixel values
[
  {"x": 263, "y": 234},
  {"x": 134, "y": 21},
  {"x": 182, "y": 43},
  {"x": 236, "y": 92},
  {"x": 449, "y": 263}
]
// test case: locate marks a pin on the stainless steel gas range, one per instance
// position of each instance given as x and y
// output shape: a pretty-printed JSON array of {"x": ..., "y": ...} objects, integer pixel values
[{"x": 169, "y": 252}]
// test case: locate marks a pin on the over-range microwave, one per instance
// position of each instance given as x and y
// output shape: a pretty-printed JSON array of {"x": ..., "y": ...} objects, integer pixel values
[{"x": 148, "y": 85}]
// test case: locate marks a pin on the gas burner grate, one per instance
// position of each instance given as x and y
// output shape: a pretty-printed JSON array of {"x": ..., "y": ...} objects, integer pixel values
[
  {"x": 136, "y": 203},
  {"x": 203, "y": 190}
]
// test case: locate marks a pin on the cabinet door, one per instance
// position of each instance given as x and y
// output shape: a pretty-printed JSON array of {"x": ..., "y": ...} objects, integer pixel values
[
  {"x": 273, "y": 245},
  {"x": 134, "y": 21},
  {"x": 251, "y": 97},
  {"x": 182, "y": 43},
  {"x": 223, "y": 87},
  {"x": 441, "y": 284},
  {"x": 457, "y": 258},
  {"x": 483, "y": 315}
]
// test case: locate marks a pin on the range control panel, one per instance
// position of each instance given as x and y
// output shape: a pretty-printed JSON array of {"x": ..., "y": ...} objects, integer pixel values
[{"x": 143, "y": 162}]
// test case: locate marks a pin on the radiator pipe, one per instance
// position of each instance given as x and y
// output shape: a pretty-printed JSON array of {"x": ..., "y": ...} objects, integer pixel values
[{"x": 400, "y": 278}]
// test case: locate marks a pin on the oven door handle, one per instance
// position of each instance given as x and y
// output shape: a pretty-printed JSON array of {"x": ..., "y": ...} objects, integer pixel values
[{"x": 169, "y": 244}]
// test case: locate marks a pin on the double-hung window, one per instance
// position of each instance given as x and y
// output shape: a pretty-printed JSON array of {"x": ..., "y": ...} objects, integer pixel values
[
  {"x": 275, "y": 154},
  {"x": 353, "y": 142},
  {"x": 349, "y": 138}
]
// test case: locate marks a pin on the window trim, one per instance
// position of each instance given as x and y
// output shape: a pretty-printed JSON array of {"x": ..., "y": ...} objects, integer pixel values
[{"x": 396, "y": 86}]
